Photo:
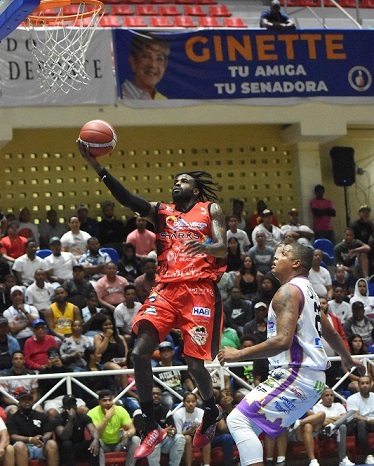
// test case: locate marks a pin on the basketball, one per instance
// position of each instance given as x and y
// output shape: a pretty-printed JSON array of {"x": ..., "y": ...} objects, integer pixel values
[{"x": 100, "y": 137}]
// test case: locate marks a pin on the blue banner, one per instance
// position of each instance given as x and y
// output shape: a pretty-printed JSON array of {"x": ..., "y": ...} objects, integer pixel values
[{"x": 244, "y": 64}]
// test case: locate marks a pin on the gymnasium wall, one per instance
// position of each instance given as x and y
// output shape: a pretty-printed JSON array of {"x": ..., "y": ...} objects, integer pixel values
[{"x": 42, "y": 168}]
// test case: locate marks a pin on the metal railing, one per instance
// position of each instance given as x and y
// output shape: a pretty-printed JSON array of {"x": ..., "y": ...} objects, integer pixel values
[{"x": 71, "y": 378}]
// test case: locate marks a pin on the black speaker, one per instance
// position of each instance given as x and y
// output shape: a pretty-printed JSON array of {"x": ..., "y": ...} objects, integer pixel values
[{"x": 343, "y": 165}]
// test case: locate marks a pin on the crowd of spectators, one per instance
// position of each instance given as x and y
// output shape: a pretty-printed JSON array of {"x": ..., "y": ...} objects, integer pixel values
[{"x": 72, "y": 311}]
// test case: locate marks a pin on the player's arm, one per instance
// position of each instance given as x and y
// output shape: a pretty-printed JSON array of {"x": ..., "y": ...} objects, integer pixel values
[
  {"x": 337, "y": 344},
  {"x": 218, "y": 246},
  {"x": 286, "y": 303},
  {"x": 123, "y": 195}
]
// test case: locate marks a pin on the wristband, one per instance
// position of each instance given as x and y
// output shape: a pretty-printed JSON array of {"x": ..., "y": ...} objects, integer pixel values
[{"x": 30, "y": 438}]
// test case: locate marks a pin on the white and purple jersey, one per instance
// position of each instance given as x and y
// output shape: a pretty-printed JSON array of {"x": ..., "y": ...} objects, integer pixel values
[{"x": 306, "y": 349}]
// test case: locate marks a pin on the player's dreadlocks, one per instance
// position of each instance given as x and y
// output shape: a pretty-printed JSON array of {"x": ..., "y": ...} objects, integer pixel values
[{"x": 207, "y": 188}]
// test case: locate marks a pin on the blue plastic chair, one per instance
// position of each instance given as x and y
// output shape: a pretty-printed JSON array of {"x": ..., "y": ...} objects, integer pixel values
[
  {"x": 327, "y": 247},
  {"x": 371, "y": 286},
  {"x": 112, "y": 252},
  {"x": 42, "y": 253}
]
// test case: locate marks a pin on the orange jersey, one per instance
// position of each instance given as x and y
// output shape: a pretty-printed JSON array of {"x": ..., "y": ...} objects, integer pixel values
[{"x": 173, "y": 229}]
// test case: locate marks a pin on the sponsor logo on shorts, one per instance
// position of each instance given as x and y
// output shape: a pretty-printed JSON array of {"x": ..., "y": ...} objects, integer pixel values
[
  {"x": 270, "y": 382},
  {"x": 271, "y": 327},
  {"x": 199, "y": 335},
  {"x": 151, "y": 310},
  {"x": 298, "y": 393},
  {"x": 319, "y": 387},
  {"x": 285, "y": 405},
  {"x": 201, "y": 311},
  {"x": 317, "y": 343}
]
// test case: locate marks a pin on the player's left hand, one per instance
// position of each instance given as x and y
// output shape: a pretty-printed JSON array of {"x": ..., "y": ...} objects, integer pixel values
[
  {"x": 228, "y": 354},
  {"x": 194, "y": 247}
]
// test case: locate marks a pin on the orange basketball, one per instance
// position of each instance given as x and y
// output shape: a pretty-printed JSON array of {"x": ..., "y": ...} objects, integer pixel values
[{"x": 100, "y": 137}]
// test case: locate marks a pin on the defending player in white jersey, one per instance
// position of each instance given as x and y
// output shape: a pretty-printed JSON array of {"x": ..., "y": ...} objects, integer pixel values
[{"x": 297, "y": 358}]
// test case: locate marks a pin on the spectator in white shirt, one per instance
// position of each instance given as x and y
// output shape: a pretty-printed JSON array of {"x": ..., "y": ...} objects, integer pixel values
[
  {"x": 125, "y": 312},
  {"x": 237, "y": 233},
  {"x": 338, "y": 306},
  {"x": 320, "y": 277},
  {"x": 273, "y": 233},
  {"x": 20, "y": 316},
  {"x": 304, "y": 234},
  {"x": 75, "y": 240},
  {"x": 40, "y": 294},
  {"x": 59, "y": 264},
  {"x": 25, "y": 266}
]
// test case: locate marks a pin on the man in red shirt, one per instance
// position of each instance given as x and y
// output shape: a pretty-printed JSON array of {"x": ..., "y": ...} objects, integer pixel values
[
  {"x": 13, "y": 245},
  {"x": 143, "y": 240},
  {"x": 36, "y": 347},
  {"x": 323, "y": 211}
]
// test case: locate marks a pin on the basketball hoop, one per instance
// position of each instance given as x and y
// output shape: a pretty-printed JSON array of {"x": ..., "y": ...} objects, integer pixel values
[{"x": 60, "y": 39}]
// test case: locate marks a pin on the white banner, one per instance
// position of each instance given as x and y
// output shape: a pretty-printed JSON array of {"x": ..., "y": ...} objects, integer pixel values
[{"x": 20, "y": 86}]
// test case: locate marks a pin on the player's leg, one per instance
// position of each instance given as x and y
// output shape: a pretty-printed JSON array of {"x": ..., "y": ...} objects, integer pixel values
[
  {"x": 212, "y": 412},
  {"x": 146, "y": 342},
  {"x": 245, "y": 434}
]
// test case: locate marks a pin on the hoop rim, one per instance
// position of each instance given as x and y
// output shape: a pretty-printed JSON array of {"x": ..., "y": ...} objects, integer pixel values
[{"x": 36, "y": 20}]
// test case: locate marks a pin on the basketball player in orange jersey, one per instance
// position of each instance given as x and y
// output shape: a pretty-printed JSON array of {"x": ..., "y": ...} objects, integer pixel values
[{"x": 191, "y": 250}]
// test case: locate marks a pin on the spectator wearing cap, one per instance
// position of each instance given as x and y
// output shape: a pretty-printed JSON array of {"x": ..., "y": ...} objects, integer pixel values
[
  {"x": 94, "y": 260},
  {"x": 323, "y": 211},
  {"x": 20, "y": 316},
  {"x": 75, "y": 240},
  {"x": 53, "y": 403},
  {"x": 78, "y": 288},
  {"x": 111, "y": 231},
  {"x": 272, "y": 233},
  {"x": 7, "y": 455},
  {"x": 60, "y": 315},
  {"x": 24, "y": 267},
  {"x": 69, "y": 427},
  {"x": 237, "y": 311},
  {"x": 275, "y": 19},
  {"x": 353, "y": 254},
  {"x": 36, "y": 347},
  {"x": 30, "y": 432},
  {"x": 52, "y": 227},
  {"x": 179, "y": 381},
  {"x": 12, "y": 246},
  {"x": 303, "y": 233},
  {"x": 40, "y": 293},
  {"x": 13, "y": 386},
  {"x": 8, "y": 345},
  {"x": 115, "y": 427},
  {"x": 59, "y": 264},
  {"x": 257, "y": 325},
  {"x": 88, "y": 224},
  {"x": 359, "y": 324},
  {"x": 363, "y": 227}
]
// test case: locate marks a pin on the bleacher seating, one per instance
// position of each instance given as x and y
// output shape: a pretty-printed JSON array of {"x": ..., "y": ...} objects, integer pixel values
[
  {"x": 161, "y": 22},
  {"x": 110, "y": 21},
  {"x": 209, "y": 22},
  {"x": 184, "y": 22},
  {"x": 194, "y": 10},
  {"x": 234, "y": 23},
  {"x": 169, "y": 10},
  {"x": 134, "y": 22},
  {"x": 146, "y": 10},
  {"x": 122, "y": 10},
  {"x": 219, "y": 10}
]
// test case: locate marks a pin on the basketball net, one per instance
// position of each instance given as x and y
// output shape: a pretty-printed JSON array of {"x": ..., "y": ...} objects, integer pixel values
[{"x": 60, "y": 41}]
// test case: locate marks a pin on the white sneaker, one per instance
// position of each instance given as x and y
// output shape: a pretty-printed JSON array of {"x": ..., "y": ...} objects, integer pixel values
[
  {"x": 346, "y": 462},
  {"x": 369, "y": 459},
  {"x": 314, "y": 463}
]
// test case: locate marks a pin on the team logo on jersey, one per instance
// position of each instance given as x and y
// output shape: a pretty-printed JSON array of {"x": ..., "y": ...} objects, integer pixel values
[
  {"x": 199, "y": 335},
  {"x": 152, "y": 297},
  {"x": 319, "y": 387},
  {"x": 271, "y": 327},
  {"x": 151, "y": 310},
  {"x": 317, "y": 343},
  {"x": 201, "y": 311},
  {"x": 203, "y": 210}
]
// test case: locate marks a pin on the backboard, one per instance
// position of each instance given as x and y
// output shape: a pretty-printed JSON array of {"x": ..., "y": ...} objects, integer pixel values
[{"x": 13, "y": 12}]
